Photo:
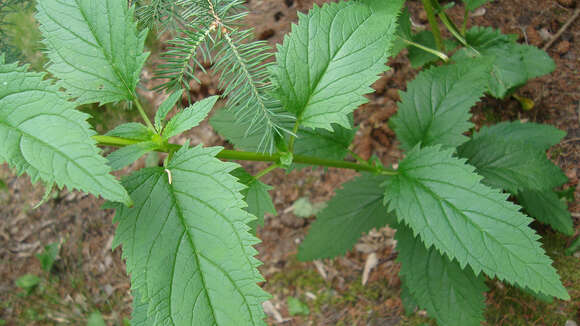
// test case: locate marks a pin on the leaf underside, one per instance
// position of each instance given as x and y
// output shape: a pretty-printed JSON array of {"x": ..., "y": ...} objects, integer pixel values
[
  {"x": 435, "y": 108},
  {"x": 323, "y": 143},
  {"x": 187, "y": 245},
  {"x": 450, "y": 294},
  {"x": 355, "y": 209},
  {"x": 94, "y": 48},
  {"x": 443, "y": 202},
  {"x": 256, "y": 196},
  {"x": 330, "y": 59},
  {"x": 546, "y": 207},
  {"x": 43, "y": 136}
]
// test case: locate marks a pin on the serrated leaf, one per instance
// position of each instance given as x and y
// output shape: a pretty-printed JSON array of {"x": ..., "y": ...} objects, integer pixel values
[
  {"x": 474, "y": 4},
  {"x": 186, "y": 243},
  {"x": 139, "y": 314},
  {"x": 403, "y": 33},
  {"x": 450, "y": 294},
  {"x": 435, "y": 108},
  {"x": 131, "y": 130},
  {"x": 165, "y": 107},
  {"x": 330, "y": 59},
  {"x": 94, "y": 48},
  {"x": 355, "y": 209},
  {"x": 256, "y": 195},
  {"x": 323, "y": 143},
  {"x": 510, "y": 165},
  {"x": 513, "y": 64},
  {"x": 443, "y": 201},
  {"x": 546, "y": 207},
  {"x": 540, "y": 136},
  {"x": 419, "y": 57},
  {"x": 129, "y": 154},
  {"x": 190, "y": 117},
  {"x": 43, "y": 136}
]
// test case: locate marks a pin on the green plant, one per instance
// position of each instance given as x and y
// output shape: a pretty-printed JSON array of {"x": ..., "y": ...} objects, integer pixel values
[{"x": 185, "y": 227}]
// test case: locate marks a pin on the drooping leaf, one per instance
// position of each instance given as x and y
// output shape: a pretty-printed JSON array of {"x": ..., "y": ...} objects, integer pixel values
[
  {"x": 330, "y": 59},
  {"x": 435, "y": 108},
  {"x": 355, "y": 209},
  {"x": 94, "y": 48},
  {"x": 165, "y": 107},
  {"x": 129, "y": 154},
  {"x": 186, "y": 243},
  {"x": 474, "y": 4},
  {"x": 132, "y": 130},
  {"x": 450, "y": 294},
  {"x": 540, "y": 136},
  {"x": 513, "y": 64},
  {"x": 189, "y": 117},
  {"x": 225, "y": 123},
  {"x": 546, "y": 207},
  {"x": 43, "y": 136},
  {"x": 443, "y": 201},
  {"x": 256, "y": 196},
  {"x": 509, "y": 165},
  {"x": 323, "y": 143},
  {"x": 419, "y": 57}
]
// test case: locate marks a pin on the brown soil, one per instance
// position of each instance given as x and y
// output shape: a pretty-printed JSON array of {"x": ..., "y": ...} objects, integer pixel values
[{"x": 89, "y": 276}]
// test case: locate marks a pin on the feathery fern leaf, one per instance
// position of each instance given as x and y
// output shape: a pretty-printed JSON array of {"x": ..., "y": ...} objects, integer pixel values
[
  {"x": 42, "y": 135},
  {"x": 187, "y": 249},
  {"x": 443, "y": 201},
  {"x": 94, "y": 48}
]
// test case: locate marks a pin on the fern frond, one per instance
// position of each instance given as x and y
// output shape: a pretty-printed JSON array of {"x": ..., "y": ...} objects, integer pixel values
[{"x": 162, "y": 15}]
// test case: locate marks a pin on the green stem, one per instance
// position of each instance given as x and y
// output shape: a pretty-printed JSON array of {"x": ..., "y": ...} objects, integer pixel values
[
  {"x": 357, "y": 157},
  {"x": 434, "y": 25},
  {"x": 227, "y": 154},
  {"x": 266, "y": 171},
  {"x": 464, "y": 24},
  {"x": 441, "y": 55},
  {"x": 143, "y": 114},
  {"x": 293, "y": 136}
]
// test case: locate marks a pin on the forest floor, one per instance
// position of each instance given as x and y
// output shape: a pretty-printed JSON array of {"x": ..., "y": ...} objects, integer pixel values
[{"x": 89, "y": 277}]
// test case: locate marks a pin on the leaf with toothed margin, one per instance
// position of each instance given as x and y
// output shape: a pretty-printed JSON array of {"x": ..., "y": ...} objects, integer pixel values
[
  {"x": 44, "y": 136},
  {"x": 355, "y": 209},
  {"x": 190, "y": 117},
  {"x": 256, "y": 196},
  {"x": 332, "y": 57},
  {"x": 450, "y": 294},
  {"x": 187, "y": 245},
  {"x": 94, "y": 48},
  {"x": 443, "y": 201}
]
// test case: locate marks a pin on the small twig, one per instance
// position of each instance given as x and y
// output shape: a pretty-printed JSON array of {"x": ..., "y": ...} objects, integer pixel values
[{"x": 562, "y": 29}]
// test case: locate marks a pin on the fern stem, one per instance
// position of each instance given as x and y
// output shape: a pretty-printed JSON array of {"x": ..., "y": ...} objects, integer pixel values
[
  {"x": 143, "y": 114},
  {"x": 227, "y": 154}
]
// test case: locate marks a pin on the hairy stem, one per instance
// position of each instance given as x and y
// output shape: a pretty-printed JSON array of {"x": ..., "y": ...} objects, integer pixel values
[
  {"x": 434, "y": 25},
  {"x": 258, "y": 157}
]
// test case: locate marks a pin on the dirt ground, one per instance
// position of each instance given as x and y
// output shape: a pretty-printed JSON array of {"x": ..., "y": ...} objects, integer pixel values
[{"x": 89, "y": 276}]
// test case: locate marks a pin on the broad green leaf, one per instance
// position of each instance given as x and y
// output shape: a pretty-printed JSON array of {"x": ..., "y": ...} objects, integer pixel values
[
  {"x": 129, "y": 154},
  {"x": 139, "y": 314},
  {"x": 190, "y": 117},
  {"x": 94, "y": 48},
  {"x": 225, "y": 123},
  {"x": 43, "y": 136},
  {"x": 355, "y": 209},
  {"x": 510, "y": 165},
  {"x": 330, "y": 59},
  {"x": 435, "y": 108},
  {"x": 474, "y": 4},
  {"x": 538, "y": 135},
  {"x": 323, "y": 143},
  {"x": 132, "y": 130},
  {"x": 443, "y": 201},
  {"x": 450, "y": 294},
  {"x": 403, "y": 33},
  {"x": 256, "y": 196},
  {"x": 165, "y": 107},
  {"x": 546, "y": 207},
  {"x": 186, "y": 243},
  {"x": 513, "y": 64},
  {"x": 419, "y": 57},
  {"x": 409, "y": 303}
]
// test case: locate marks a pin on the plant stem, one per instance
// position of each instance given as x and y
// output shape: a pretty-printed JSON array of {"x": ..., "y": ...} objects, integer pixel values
[
  {"x": 258, "y": 157},
  {"x": 143, "y": 114},
  {"x": 266, "y": 170},
  {"x": 434, "y": 25},
  {"x": 452, "y": 28},
  {"x": 464, "y": 24},
  {"x": 441, "y": 55},
  {"x": 293, "y": 136}
]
